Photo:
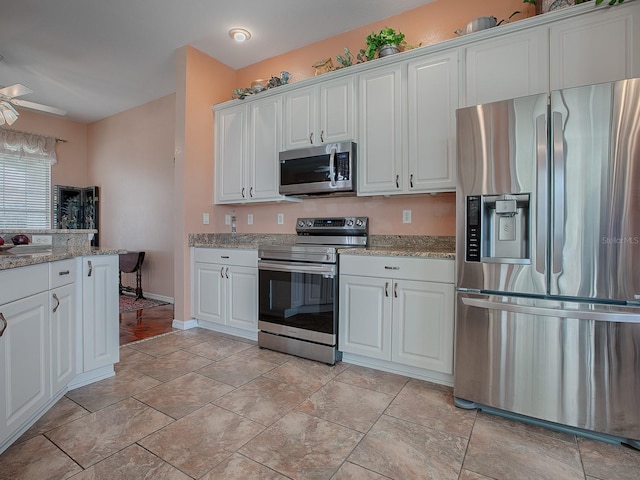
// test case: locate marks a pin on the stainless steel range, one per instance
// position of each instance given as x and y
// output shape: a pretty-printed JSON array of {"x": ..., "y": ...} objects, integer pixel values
[{"x": 298, "y": 287}]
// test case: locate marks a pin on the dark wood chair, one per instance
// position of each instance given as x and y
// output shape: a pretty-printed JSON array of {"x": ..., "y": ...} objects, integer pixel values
[{"x": 131, "y": 262}]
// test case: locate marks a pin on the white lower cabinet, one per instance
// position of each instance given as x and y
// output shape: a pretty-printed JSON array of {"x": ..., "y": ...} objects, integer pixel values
[
  {"x": 62, "y": 305},
  {"x": 100, "y": 316},
  {"x": 225, "y": 287},
  {"x": 398, "y": 310}
]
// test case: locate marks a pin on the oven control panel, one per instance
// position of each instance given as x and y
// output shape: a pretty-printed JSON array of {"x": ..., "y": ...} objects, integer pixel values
[{"x": 334, "y": 225}]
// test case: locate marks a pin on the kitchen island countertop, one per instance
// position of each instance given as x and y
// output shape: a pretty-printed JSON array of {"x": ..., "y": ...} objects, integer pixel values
[{"x": 11, "y": 260}]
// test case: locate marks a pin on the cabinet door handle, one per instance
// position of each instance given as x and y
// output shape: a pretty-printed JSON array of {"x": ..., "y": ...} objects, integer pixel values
[
  {"x": 4, "y": 324},
  {"x": 395, "y": 290},
  {"x": 221, "y": 272},
  {"x": 311, "y": 138},
  {"x": 55, "y": 297},
  {"x": 90, "y": 268},
  {"x": 386, "y": 289},
  {"x": 243, "y": 189},
  {"x": 411, "y": 180},
  {"x": 322, "y": 136},
  {"x": 251, "y": 192},
  {"x": 66, "y": 272},
  {"x": 226, "y": 273},
  {"x": 397, "y": 181}
]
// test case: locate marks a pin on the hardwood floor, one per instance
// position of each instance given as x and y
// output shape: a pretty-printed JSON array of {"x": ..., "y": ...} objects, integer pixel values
[{"x": 144, "y": 323}]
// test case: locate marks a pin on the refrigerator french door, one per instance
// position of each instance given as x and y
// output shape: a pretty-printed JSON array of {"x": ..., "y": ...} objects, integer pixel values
[{"x": 548, "y": 257}]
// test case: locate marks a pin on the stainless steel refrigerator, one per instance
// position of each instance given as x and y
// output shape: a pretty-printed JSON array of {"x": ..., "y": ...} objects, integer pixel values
[{"x": 548, "y": 258}]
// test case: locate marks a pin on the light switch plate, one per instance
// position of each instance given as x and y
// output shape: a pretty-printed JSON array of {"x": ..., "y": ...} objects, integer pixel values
[
  {"x": 280, "y": 218},
  {"x": 406, "y": 216},
  {"x": 250, "y": 219},
  {"x": 205, "y": 218},
  {"x": 41, "y": 239},
  {"x": 227, "y": 219}
]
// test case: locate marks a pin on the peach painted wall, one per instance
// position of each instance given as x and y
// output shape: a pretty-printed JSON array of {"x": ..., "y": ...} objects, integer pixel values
[
  {"x": 71, "y": 168},
  {"x": 130, "y": 157},
  {"x": 201, "y": 82}
]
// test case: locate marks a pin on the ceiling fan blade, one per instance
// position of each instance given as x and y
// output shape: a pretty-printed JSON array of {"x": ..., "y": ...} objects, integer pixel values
[
  {"x": 38, "y": 106},
  {"x": 16, "y": 90}
]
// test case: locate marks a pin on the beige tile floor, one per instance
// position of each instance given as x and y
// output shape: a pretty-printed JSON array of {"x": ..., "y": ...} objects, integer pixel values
[{"x": 197, "y": 404}]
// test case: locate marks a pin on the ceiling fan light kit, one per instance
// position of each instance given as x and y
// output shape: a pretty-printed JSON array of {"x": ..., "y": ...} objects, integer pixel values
[{"x": 8, "y": 114}]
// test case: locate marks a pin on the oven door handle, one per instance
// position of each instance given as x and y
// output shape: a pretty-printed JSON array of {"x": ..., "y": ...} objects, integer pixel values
[{"x": 313, "y": 268}]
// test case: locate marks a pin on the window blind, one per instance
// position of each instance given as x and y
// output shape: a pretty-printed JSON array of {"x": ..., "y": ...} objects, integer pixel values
[{"x": 25, "y": 192}]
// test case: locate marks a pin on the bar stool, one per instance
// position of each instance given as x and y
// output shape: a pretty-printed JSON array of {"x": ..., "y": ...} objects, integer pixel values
[{"x": 131, "y": 262}]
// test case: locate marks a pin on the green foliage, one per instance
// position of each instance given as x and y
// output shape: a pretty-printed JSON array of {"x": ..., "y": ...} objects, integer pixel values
[
  {"x": 387, "y": 36},
  {"x": 347, "y": 59}
]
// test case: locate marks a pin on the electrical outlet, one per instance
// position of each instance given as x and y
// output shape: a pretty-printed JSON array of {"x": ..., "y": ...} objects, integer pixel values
[
  {"x": 406, "y": 216},
  {"x": 250, "y": 219},
  {"x": 205, "y": 218},
  {"x": 227, "y": 219},
  {"x": 41, "y": 239},
  {"x": 280, "y": 218}
]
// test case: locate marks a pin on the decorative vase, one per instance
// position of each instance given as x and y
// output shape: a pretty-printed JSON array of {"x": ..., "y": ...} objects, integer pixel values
[{"x": 388, "y": 50}]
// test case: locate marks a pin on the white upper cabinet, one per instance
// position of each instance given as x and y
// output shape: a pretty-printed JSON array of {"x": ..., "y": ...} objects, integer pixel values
[
  {"x": 407, "y": 126},
  {"x": 381, "y": 112},
  {"x": 248, "y": 138},
  {"x": 432, "y": 103},
  {"x": 506, "y": 66},
  {"x": 596, "y": 48},
  {"x": 320, "y": 114}
]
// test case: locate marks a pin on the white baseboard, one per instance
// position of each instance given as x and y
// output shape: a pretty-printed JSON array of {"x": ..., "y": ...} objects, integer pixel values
[{"x": 184, "y": 324}]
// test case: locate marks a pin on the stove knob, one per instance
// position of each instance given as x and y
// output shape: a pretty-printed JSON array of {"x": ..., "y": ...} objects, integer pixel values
[
  {"x": 350, "y": 223},
  {"x": 309, "y": 223},
  {"x": 359, "y": 222},
  {"x": 300, "y": 223}
]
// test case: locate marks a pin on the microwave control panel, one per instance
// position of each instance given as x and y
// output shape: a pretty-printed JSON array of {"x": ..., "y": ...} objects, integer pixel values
[{"x": 342, "y": 166}]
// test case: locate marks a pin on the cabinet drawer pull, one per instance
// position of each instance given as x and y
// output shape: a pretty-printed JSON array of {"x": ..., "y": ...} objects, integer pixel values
[
  {"x": 224, "y": 256},
  {"x": 386, "y": 289},
  {"x": 386, "y": 267},
  {"x": 395, "y": 290},
  {"x": 90, "y": 265},
  {"x": 55, "y": 297},
  {"x": 66, "y": 272},
  {"x": 4, "y": 324}
]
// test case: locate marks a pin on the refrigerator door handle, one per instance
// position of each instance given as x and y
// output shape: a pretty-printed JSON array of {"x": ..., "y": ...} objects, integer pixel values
[
  {"x": 542, "y": 174},
  {"x": 558, "y": 192},
  {"x": 585, "y": 314}
]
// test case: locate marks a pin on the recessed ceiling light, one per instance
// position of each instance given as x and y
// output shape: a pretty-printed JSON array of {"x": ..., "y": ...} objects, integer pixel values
[{"x": 240, "y": 34}]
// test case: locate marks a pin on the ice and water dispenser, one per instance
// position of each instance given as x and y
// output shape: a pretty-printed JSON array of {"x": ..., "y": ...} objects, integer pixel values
[{"x": 497, "y": 228}]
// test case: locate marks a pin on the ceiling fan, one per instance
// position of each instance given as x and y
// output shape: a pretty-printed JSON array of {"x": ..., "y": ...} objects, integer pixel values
[{"x": 8, "y": 114}]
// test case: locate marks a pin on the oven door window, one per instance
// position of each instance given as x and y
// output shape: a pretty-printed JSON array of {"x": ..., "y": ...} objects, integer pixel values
[{"x": 297, "y": 299}]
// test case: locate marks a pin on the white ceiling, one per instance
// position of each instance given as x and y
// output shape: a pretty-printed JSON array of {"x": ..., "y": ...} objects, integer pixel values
[{"x": 95, "y": 58}]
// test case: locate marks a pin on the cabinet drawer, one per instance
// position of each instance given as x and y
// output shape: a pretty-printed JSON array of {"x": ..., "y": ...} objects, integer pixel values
[
  {"x": 62, "y": 273},
  {"x": 227, "y": 256},
  {"x": 23, "y": 282},
  {"x": 407, "y": 268}
]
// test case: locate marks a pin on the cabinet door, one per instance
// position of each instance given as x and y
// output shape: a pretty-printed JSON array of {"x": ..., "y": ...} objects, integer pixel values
[
  {"x": 432, "y": 102},
  {"x": 380, "y": 149},
  {"x": 230, "y": 154},
  {"x": 101, "y": 336},
  {"x": 300, "y": 108},
  {"x": 208, "y": 302},
  {"x": 265, "y": 142},
  {"x": 509, "y": 66},
  {"x": 24, "y": 361},
  {"x": 365, "y": 316},
  {"x": 62, "y": 308},
  {"x": 423, "y": 325},
  {"x": 596, "y": 48},
  {"x": 242, "y": 297},
  {"x": 337, "y": 111}
]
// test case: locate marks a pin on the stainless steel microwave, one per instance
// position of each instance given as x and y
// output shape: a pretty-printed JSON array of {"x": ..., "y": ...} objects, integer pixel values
[{"x": 319, "y": 170}]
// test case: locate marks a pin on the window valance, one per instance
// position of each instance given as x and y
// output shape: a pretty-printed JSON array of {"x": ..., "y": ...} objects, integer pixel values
[{"x": 28, "y": 146}]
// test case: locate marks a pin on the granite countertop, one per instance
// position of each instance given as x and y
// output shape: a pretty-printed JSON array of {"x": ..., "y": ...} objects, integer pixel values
[
  {"x": 423, "y": 246},
  {"x": 13, "y": 260}
]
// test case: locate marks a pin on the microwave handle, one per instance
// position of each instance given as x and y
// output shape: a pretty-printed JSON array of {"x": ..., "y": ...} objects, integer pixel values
[{"x": 332, "y": 167}]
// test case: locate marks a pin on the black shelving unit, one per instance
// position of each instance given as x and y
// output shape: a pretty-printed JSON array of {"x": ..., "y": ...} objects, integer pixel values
[{"x": 76, "y": 208}]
